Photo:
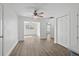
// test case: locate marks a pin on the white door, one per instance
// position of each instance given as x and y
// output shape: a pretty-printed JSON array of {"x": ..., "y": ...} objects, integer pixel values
[
  {"x": 63, "y": 31},
  {"x": 0, "y": 32},
  {"x": 65, "y": 34},
  {"x": 60, "y": 31}
]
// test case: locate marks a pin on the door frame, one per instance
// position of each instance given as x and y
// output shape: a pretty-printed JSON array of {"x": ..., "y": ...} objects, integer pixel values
[{"x": 2, "y": 29}]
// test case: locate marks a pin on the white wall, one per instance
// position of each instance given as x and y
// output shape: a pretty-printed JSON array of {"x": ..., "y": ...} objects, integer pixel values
[
  {"x": 10, "y": 29},
  {"x": 38, "y": 29},
  {"x": 43, "y": 30},
  {"x": 52, "y": 28},
  {"x": 20, "y": 29},
  {"x": 74, "y": 31}
]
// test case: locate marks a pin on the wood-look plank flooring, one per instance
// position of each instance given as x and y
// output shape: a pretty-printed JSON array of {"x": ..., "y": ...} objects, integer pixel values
[{"x": 33, "y": 46}]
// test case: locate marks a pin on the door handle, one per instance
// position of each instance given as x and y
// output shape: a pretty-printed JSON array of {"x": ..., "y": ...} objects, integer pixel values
[{"x": 1, "y": 36}]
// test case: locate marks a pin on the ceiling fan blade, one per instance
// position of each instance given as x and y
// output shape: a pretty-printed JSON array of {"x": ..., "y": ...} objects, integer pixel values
[
  {"x": 39, "y": 16},
  {"x": 41, "y": 13},
  {"x": 51, "y": 17}
]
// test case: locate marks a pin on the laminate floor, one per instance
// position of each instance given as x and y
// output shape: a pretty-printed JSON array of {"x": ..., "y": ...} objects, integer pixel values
[{"x": 33, "y": 46}]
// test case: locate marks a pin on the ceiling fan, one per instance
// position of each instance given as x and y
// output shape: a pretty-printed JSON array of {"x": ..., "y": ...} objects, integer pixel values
[{"x": 40, "y": 14}]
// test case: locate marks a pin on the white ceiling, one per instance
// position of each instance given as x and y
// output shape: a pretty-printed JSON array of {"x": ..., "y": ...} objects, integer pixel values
[{"x": 50, "y": 9}]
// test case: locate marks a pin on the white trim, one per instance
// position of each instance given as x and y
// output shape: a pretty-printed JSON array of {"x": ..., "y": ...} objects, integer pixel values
[{"x": 12, "y": 49}]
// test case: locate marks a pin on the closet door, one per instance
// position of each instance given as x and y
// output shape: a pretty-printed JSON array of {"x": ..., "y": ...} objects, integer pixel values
[{"x": 63, "y": 31}]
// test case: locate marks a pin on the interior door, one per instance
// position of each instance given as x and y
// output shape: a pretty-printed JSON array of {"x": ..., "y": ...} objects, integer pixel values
[
  {"x": 0, "y": 31},
  {"x": 63, "y": 31},
  {"x": 60, "y": 31},
  {"x": 65, "y": 34}
]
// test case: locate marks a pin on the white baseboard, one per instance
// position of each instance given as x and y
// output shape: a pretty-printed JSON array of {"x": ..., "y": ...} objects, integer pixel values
[{"x": 12, "y": 49}]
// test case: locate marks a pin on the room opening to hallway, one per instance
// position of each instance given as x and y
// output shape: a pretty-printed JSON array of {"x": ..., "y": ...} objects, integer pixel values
[{"x": 31, "y": 29}]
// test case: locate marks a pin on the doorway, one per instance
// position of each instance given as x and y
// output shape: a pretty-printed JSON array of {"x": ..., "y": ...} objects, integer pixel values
[{"x": 31, "y": 29}]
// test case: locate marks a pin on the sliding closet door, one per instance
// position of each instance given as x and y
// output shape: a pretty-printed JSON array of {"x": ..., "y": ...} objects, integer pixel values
[
  {"x": 0, "y": 31},
  {"x": 63, "y": 31}
]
